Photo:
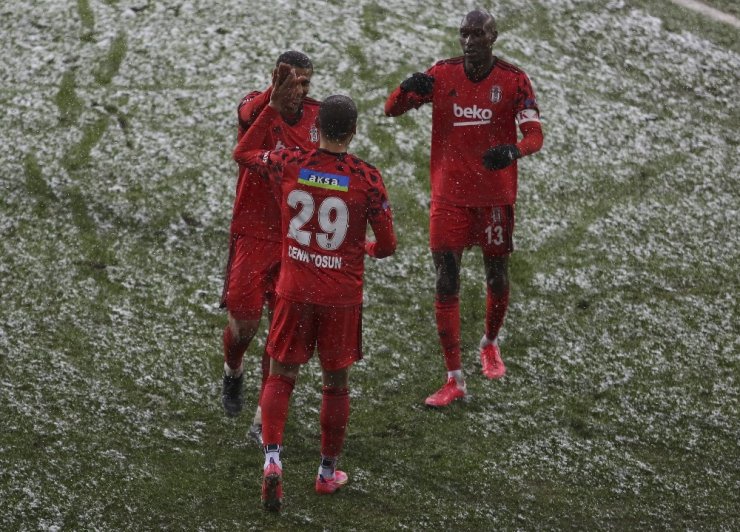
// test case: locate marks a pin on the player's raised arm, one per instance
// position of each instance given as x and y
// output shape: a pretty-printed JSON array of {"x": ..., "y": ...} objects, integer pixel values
[
  {"x": 285, "y": 83},
  {"x": 412, "y": 93},
  {"x": 247, "y": 149},
  {"x": 250, "y": 107},
  {"x": 253, "y": 103}
]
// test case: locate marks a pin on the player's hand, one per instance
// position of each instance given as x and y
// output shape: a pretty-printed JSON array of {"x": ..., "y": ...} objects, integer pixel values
[
  {"x": 420, "y": 83},
  {"x": 280, "y": 74},
  {"x": 370, "y": 247},
  {"x": 285, "y": 87},
  {"x": 500, "y": 156}
]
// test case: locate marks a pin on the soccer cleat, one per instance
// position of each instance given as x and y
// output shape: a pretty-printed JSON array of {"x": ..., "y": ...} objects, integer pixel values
[
  {"x": 255, "y": 434},
  {"x": 490, "y": 359},
  {"x": 327, "y": 486},
  {"x": 232, "y": 397},
  {"x": 446, "y": 394},
  {"x": 272, "y": 488}
]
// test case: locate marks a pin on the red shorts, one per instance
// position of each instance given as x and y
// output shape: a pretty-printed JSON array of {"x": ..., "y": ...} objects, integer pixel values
[
  {"x": 300, "y": 328},
  {"x": 454, "y": 228},
  {"x": 251, "y": 274}
]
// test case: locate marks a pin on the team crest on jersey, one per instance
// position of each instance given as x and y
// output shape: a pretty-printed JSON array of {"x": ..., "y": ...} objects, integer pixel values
[
  {"x": 496, "y": 94},
  {"x": 312, "y": 178},
  {"x": 314, "y": 134}
]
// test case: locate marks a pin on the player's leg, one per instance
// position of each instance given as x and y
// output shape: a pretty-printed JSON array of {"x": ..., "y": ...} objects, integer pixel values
[
  {"x": 496, "y": 250},
  {"x": 276, "y": 401},
  {"x": 248, "y": 280},
  {"x": 447, "y": 305},
  {"x": 497, "y": 303},
  {"x": 448, "y": 237},
  {"x": 339, "y": 345},
  {"x": 290, "y": 343},
  {"x": 255, "y": 429},
  {"x": 237, "y": 335},
  {"x": 334, "y": 418}
]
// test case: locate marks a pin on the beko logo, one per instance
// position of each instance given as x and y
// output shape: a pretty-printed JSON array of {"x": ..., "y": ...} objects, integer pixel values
[{"x": 475, "y": 114}]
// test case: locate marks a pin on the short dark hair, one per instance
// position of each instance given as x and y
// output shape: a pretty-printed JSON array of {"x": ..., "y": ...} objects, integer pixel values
[
  {"x": 481, "y": 13},
  {"x": 337, "y": 117},
  {"x": 295, "y": 59}
]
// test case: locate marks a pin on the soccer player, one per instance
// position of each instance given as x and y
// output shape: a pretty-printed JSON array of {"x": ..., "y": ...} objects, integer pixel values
[
  {"x": 328, "y": 197},
  {"x": 478, "y": 100},
  {"x": 254, "y": 251}
]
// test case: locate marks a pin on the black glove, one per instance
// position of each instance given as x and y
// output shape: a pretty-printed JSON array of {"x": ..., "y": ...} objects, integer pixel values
[
  {"x": 501, "y": 156},
  {"x": 419, "y": 83}
]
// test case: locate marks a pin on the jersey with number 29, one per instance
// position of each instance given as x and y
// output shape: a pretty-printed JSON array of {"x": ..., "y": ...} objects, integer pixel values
[{"x": 327, "y": 200}]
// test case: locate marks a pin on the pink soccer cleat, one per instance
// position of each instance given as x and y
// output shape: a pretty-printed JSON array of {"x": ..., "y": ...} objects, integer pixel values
[
  {"x": 272, "y": 488},
  {"x": 446, "y": 394},
  {"x": 490, "y": 359},
  {"x": 327, "y": 486}
]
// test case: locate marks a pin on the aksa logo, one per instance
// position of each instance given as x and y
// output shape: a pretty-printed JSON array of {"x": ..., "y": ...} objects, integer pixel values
[
  {"x": 476, "y": 115},
  {"x": 312, "y": 178}
]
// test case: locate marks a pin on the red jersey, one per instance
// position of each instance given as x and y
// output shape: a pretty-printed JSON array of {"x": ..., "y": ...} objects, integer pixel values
[
  {"x": 326, "y": 200},
  {"x": 255, "y": 211},
  {"x": 468, "y": 118}
]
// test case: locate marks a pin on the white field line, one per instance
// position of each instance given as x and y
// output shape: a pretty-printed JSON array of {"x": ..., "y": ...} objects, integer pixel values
[{"x": 709, "y": 11}]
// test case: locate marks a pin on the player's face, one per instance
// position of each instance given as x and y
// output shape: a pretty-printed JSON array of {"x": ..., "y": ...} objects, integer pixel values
[
  {"x": 304, "y": 74},
  {"x": 477, "y": 35}
]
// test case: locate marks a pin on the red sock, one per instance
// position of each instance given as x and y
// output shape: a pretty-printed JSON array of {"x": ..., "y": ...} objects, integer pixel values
[
  {"x": 275, "y": 403},
  {"x": 334, "y": 417},
  {"x": 265, "y": 374},
  {"x": 496, "y": 307},
  {"x": 447, "y": 313},
  {"x": 233, "y": 350}
]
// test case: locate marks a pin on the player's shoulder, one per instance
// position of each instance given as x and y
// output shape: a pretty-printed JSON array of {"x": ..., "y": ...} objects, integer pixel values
[
  {"x": 507, "y": 66},
  {"x": 311, "y": 102},
  {"x": 310, "y": 109},
  {"x": 363, "y": 169},
  {"x": 249, "y": 97},
  {"x": 451, "y": 63},
  {"x": 357, "y": 162}
]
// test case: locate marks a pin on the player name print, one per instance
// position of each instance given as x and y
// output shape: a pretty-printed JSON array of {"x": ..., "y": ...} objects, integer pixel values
[
  {"x": 313, "y": 178},
  {"x": 478, "y": 115},
  {"x": 320, "y": 261}
]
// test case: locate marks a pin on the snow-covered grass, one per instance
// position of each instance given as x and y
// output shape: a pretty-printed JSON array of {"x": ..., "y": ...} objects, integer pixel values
[{"x": 621, "y": 405}]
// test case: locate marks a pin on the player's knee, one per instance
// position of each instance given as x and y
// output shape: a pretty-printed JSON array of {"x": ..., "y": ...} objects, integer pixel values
[
  {"x": 243, "y": 330},
  {"x": 498, "y": 283},
  {"x": 447, "y": 282},
  {"x": 337, "y": 379}
]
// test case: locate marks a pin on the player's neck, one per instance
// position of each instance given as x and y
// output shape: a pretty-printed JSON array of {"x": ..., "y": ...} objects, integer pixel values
[
  {"x": 292, "y": 118},
  {"x": 334, "y": 146},
  {"x": 479, "y": 71}
]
